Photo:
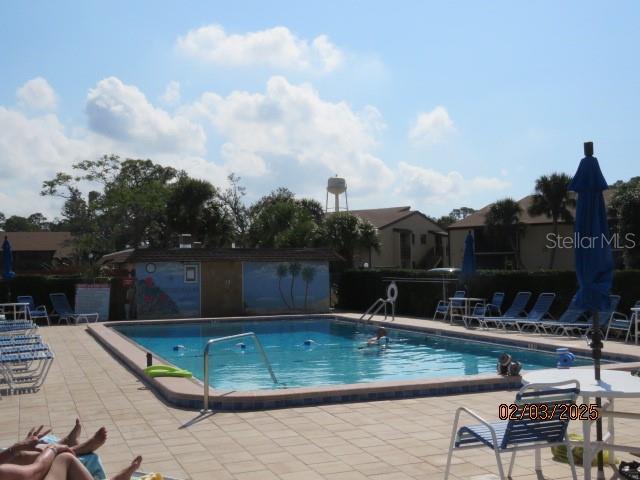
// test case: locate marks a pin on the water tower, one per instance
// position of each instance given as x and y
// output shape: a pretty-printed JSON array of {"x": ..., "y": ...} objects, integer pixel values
[{"x": 336, "y": 186}]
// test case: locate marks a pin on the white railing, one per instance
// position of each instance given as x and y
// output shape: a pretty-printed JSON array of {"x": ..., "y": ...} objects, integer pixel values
[{"x": 205, "y": 406}]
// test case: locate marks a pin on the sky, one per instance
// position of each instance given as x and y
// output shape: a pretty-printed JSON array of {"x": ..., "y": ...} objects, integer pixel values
[{"x": 436, "y": 105}]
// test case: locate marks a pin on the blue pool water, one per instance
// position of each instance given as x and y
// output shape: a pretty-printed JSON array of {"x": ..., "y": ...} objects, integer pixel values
[{"x": 336, "y": 356}]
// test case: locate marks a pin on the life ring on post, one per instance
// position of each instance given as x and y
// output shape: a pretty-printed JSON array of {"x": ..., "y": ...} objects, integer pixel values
[{"x": 392, "y": 292}]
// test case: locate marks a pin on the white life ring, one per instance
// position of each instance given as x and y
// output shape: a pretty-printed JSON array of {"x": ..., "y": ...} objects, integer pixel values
[{"x": 392, "y": 292}]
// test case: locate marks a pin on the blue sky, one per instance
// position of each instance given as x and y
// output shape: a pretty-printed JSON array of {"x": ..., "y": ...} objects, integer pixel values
[{"x": 432, "y": 104}]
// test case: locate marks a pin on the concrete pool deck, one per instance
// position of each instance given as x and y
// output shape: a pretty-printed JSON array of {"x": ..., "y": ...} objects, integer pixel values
[
  {"x": 188, "y": 393},
  {"x": 383, "y": 440}
]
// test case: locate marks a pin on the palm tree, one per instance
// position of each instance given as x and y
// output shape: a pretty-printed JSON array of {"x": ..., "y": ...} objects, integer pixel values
[
  {"x": 282, "y": 272},
  {"x": 308, "y": 273},
  {"x": 552, "y": 198},
  {"x": 294, "y": 270},
  {"x": 503, "y": 220}
]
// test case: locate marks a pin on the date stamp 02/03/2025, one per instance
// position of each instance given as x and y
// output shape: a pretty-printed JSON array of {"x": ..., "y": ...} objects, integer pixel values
[{"x": 543, "y": 411}]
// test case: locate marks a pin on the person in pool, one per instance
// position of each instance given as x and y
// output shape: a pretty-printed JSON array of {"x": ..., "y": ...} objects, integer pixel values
[{"x": 381, "y": 333}]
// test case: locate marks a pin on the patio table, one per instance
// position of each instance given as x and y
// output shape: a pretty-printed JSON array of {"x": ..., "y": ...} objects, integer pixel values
[
  {"x": 467, "y": 305},
  {"x": 613, "y": 384},
  {"x": 18, "y": 311}
]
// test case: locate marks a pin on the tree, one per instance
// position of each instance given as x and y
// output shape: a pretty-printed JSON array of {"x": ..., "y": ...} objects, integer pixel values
[
  {"x": 503, "y": 223},
  {"x": 130, "y": 210},
  {"x": 553, "y": 199},
  {"x": 232, "y": 201},
  {"x": 445, "y": 220},
  {"x": 461, "y": 213},
  {"x": 36, "y": 222},
  {"x": 2, "y": 220},
  {"x": 279, "y": 220},
  {"x": 625, "y": 204},
  {"x": 346, "y": 233},
  {"x": 282, "y": 271}
]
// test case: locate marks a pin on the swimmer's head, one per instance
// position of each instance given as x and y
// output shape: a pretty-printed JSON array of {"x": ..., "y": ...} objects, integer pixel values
[{"x": 382, "y": 332}]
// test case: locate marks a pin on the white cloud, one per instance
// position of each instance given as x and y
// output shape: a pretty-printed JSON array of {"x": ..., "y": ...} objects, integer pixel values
[
  {"x": 37, "y": 94},
  {"x": 425, "y": 184},
  {"x": 431, "y": 127},
  {"x": 171, "y": 95},
  {"x": 290, "y": 133},
  {"x": 123, "y": 113},
  {"x": 275, "y": 47}
]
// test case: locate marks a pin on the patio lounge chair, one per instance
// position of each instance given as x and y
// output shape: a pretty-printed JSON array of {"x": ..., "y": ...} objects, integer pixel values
[
  {"x": 621, "y": 323},
  {"x": 13, "y": 328},
  {"x": 444, "y": 308},
  {"x": 34, "y": 313},
  {"x": 64, "y": 311},
  {"x": 582, "y": 328},
  {"x": 571, "y": 315},
  {"x": 517, "y": 309},
  {"x": 490, "y": 309},
  {"x": 25, "y": 370},
  {"x": 521, "y": 432},
  {"x": 536, "y": 315}
]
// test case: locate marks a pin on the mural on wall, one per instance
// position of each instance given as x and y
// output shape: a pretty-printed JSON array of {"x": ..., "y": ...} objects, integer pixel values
[
  {"x": 285, "y": 286},
  {"x": 161, "y": 291}
]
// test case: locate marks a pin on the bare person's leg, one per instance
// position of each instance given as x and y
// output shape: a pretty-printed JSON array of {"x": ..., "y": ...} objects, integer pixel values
[
  {"x": 71, "y": 440},
  {"x": 25, "y": 458},
  {"x": 67, "y": 467},
  {"x": 126, "y": 473},
  {"x": 92, "y": 444}
]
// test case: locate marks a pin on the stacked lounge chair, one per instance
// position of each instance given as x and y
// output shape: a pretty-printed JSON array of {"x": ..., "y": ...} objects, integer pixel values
[
  {"x": 536, "y": 315},
  {"x": 24, "y": 362},
  {"x": 34, "y": 312},
  {"x": 571, "y": 315}
]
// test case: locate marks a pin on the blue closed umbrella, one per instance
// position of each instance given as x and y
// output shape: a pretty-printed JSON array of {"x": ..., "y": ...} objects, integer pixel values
[
  {"x": 7, "y": 260},
  {"x": 469, "y": 258},
  {"x": 594, "y": 262}
]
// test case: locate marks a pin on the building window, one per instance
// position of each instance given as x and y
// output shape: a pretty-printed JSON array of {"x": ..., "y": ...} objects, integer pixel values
[
  {"x": 190, "y": 273},
  {"x": 423, "y": 239}
]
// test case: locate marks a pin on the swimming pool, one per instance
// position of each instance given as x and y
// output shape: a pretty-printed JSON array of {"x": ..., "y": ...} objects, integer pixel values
[{"x": 322, "y": 351}]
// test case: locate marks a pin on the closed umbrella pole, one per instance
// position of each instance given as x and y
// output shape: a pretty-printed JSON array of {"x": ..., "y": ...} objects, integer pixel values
[
  {"x": 7, "y": 265},
  {"x": 594, "y": 262}
]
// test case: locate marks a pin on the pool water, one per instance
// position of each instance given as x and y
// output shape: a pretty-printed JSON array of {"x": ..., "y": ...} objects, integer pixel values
[{"x": 337, "y": 353}]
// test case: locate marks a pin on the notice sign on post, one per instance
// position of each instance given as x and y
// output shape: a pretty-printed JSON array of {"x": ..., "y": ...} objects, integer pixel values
[{"x": 93, "y": 298}]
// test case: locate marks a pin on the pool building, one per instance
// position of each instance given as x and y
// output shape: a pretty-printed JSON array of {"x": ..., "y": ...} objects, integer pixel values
[{"x": 199, "y": 282}]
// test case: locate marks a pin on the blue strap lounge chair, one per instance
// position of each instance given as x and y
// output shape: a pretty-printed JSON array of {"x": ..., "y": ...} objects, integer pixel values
[
  {"x": 523, "y": 431},
  {"x": 517, "y": 309},
  {"x": 583, "y": 327},
  {"x": 20, "y": 340},
  {"x": 572, "y": 314},
  {"x": 536, "y": 315},
  {"x": 621, "y": 323},
  {"x": 63, "y": 309},
  {"x": 35, "y": 313},
  {"x": 13, "y": 328},
  {"x": 490, "y": 309},
  {"x": 443, "y": 308},
  {"x": 25, "y": 370}
]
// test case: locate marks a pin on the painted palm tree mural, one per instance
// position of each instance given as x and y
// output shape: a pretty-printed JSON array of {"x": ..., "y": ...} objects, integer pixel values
[
  {"x": 290, "y": 286},
  {"x": 282, "y": 271},
  {"x": 307, "y": 274},
  {"x": 294, "y": 270}
]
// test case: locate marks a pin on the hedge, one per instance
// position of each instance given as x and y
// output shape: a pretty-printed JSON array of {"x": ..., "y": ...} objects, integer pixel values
[
  {"x": 39, "y": 287},
  {"x": 358, "y": 289}
]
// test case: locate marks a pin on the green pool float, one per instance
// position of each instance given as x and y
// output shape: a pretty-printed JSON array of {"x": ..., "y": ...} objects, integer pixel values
[{"x": 167, "y": 371}]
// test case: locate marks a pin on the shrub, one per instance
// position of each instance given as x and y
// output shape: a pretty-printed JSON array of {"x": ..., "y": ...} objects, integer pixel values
[{"x": 358, "y": 289}]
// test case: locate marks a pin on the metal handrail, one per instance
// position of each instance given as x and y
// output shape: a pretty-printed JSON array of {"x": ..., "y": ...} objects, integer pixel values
[{"x": 205, "y": 406}]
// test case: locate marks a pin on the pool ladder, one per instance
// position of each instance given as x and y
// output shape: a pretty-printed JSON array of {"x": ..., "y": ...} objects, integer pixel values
[{"x": 205, "y": 406}]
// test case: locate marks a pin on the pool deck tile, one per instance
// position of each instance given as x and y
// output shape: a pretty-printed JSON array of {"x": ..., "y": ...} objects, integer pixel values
[{"x": 381, "y": 440}]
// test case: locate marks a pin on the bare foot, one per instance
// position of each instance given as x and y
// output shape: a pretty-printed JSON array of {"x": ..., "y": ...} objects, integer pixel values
[
  {"x": 127, "y": 472},
  {"x": 92, "y": 444},
  {"x": 71, "y": 439}
]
